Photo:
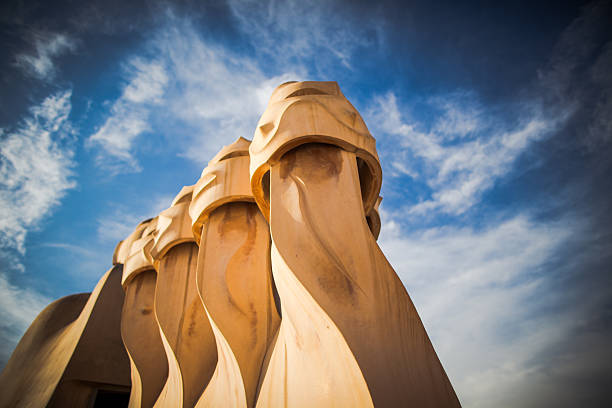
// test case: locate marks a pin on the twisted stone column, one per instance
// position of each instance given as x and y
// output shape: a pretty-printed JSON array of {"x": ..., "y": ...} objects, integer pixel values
[
  {"x": 349, "y": 335},
  {"x": 139, "y": 328},
  {"x": 233, "y": 277},
  {"x": 185, "y": 329}
]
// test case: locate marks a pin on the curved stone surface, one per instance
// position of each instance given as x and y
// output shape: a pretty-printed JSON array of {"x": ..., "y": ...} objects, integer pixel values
[
  {"x": 142, "y": 341},
  {"x": 122, "y": 250},
  {"x": 186, "y": 332},
  {"x": 183, "y": 196},
  {"x": 224, "y": 180},
  {"x": 350, "y": 335},
  {"x": 139, "y": 328},
  {"x": 234, "y": 280},
  {"x": 373, "y": 219},
  {"x": 173, "y": 225},
  {"x": 36, "y": 366},
  {"x": 70, "y": 351},
  {"x": 312, "y": 112},
  {"x": 184, "y": 326},
  {"x": 139, "y": 258},
  {"x": 240, "y": 147}
]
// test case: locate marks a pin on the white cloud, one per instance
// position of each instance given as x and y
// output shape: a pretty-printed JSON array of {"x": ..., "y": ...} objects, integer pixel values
[
  {"x": 577, "y": 75},
  {"x": 122, "y": 221},
  {"x": 117, "y": 226},
  {"x": 196, "y": 95},
  {"x": 75, "y": 249},
  {"x": 130, "y": 116},
  {"x": 35, "y": 168},
  {"x": 18, "y": 308},
  {"x": 461, "y": 155},
  {"x": 147, "y": 84},
  {"x": 82, "y": 263},
  {"x": 216, "y": 93},
  {"x": 459, "y": 119},
  {"x": 47, "y": 46},
  {"x": 477, "y": 292},
  {"x": 305, "y": 29}
]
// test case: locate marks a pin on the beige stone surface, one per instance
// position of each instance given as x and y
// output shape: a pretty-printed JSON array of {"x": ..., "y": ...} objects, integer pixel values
[
  {"x": 349, "y": 335},
  {"x": 222, "y": 181},
  {"x": 234, "y": 280},
  {"x": 173, "y": 228},
  {"x": 186, "y": 333},
  {"x": 312, "y": 112},
  {"x": 183, "y": 196},
  {"x": 373, "y": 219},
  {"x": 142, "y": 341},
  {"x": 235, "y": 284},
  {"x": 139, "y": 327},
  {"x": 139, "y": 257},
  {"x": 71, "y": 350},
  {"x": 122, "y": 250},
  {"x": 369, "y": 343}
]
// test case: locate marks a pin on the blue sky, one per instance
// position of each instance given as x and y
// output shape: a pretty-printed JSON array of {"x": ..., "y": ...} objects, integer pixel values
[{"x": 493, "y": 125}]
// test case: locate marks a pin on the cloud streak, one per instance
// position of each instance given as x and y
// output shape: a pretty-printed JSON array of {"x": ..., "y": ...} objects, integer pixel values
[
  {"x": 47, "y": 47},
  {"x": 18, "y": 308},
  {"x": 122, "y": 220},
  {"x": 35, "y": 168},
  {"x": 130, "y": 116},
  {"x": 461, "y": 154},
  {"x": 308, "y": 36},
  {"x": 203, "y": 95},
  {"x": 477, "y": 292}
]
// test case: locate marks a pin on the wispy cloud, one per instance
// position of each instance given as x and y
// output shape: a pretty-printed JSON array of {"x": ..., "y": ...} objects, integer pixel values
[
  {"x": 130, "y": 116},
  {"x": 306, "y": 32},
  {"x": 122, "y": 220},
  {"x": 577, "y": 75},
  {"x": 600, "y": 128},
  {"x": 461, "y": 154},
  {"x": 117, "y": 225},
  {"x": 82, "y": 262},
  {"x": 35, "y": 168},
  {"x": 217, "y": 95},
  {"x": 197, "y": 95},
  {"x": 460, "y": 149},
  {"x": 76, "y": 249},
  {"x": 480, "y": 295},
  {"x": 18, "y": 307},
  {"x": 46, "y": 47}
]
